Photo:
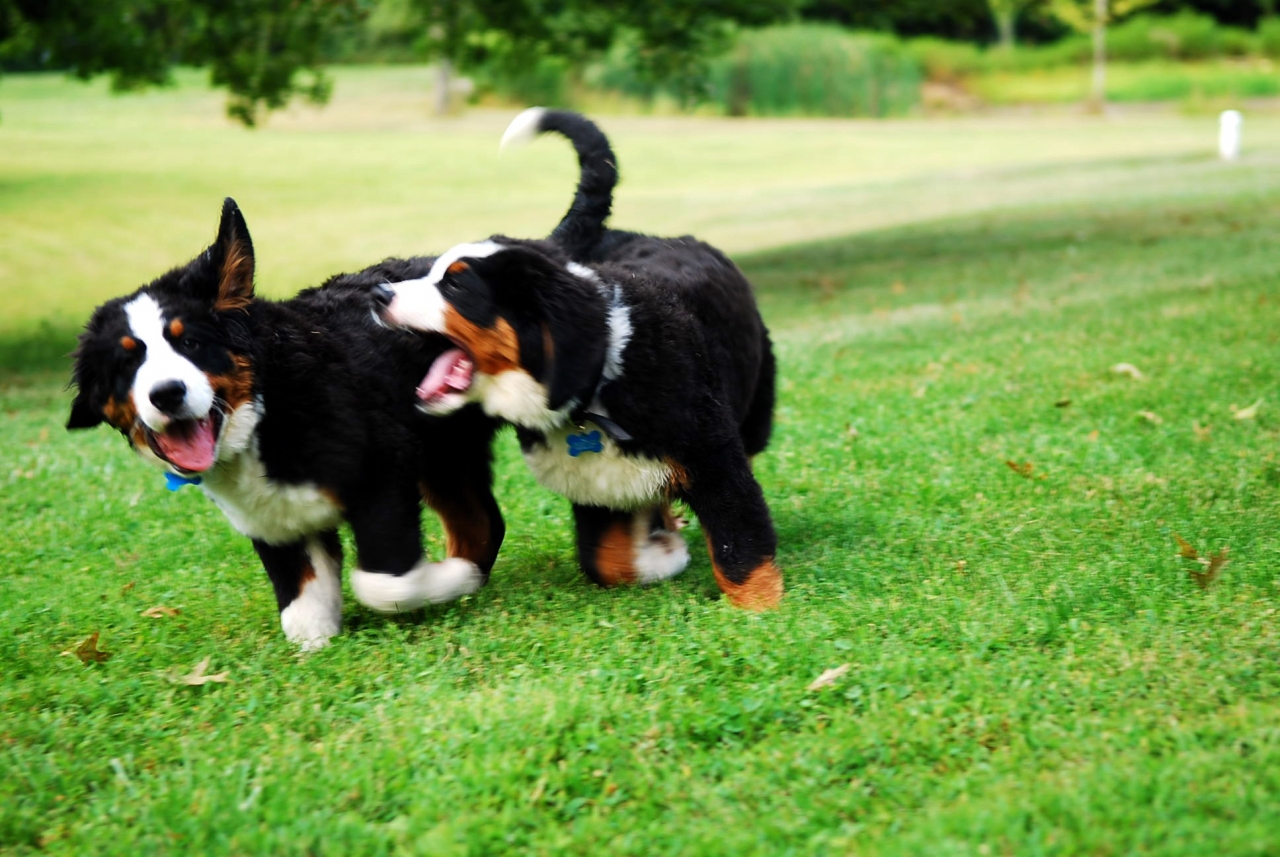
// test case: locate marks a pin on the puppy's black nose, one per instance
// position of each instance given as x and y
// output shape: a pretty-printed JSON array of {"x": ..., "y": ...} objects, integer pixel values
[
  {"x": 168, "y": 396},
  {"x": 382, "y": 295}
]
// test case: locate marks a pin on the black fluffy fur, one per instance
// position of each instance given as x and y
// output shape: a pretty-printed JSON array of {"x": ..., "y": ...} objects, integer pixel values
[{"x": 336, "y": 410}]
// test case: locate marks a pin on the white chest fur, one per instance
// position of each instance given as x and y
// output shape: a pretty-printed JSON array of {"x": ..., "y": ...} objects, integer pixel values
[
  {"x": 609, "y": 478},
  {"x": 257, "y": 506}
]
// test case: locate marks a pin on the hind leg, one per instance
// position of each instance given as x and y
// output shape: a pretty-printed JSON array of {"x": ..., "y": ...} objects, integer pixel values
[
  {"x": 306, "y": 576},
  {"x": 624, "y": 547},
  {"x": 720, "y": 489},
  {"x": 757, "y": 425},
  {"x": 458, "y": 486}
]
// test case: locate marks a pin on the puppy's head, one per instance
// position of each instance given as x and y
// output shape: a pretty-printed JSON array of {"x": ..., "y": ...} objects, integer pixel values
[
  {"x": 166, "y": 365},
  {"x": 529, "y": 333}
]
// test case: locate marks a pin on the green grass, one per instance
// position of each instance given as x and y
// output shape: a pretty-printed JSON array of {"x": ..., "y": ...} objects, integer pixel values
[
  {"x": 1228, "y": 82},
  {"x": 1031, "y": 669}
]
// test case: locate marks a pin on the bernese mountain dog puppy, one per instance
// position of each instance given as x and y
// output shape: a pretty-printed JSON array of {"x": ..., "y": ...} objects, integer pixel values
[
  {"x": 293, "y": 416},
  {"x": 636, "y": 370}
]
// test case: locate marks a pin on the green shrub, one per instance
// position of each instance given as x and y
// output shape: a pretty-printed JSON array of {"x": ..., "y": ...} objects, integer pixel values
[
  {"x": 815, "y": 70},
  {"x": 1184, "y": 36},
  {"x": 947, "y": 61},
  {"x": 1269, "y": 37}
]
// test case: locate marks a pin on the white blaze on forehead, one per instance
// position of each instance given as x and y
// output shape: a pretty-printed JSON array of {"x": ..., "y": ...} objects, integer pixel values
[
  {"x": 160, "y": 364},
  {"x": 418, "y": 303}
]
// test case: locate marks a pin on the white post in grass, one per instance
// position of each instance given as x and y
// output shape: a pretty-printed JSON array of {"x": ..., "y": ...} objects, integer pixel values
[{"x": 1229, "y": 134}]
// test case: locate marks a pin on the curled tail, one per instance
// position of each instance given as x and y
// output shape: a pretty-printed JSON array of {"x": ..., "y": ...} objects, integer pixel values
[{"x": 583, "y": 225}]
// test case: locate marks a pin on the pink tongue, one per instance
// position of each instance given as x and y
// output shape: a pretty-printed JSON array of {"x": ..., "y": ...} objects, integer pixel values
[
  {"x": 189, "y": 444},
  {"x": 451, "y": 373}
]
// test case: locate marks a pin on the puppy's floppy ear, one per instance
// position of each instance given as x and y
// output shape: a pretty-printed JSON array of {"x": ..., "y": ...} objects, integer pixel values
[
  {"x": 574, "y": 312},
  {"x": 232, "y": 257},
  {"x": 83, "y": 414},
  {"x": 86, "y": 407}
]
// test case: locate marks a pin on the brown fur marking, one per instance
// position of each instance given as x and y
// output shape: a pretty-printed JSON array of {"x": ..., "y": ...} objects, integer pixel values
[
  {"x": 679, "y": 480},
  {"x": 762, "y": 590},
  {"x": 128, "y": 343},
  {"x": 466, "y": 526},
  {"x": 457, "y": 268},
  {"x": 235, "y": 289},
  {"x": 124, "y": 416},
  {"x": 236, "y": 387},
  {"x": 494, "y": 349},
  {"x": 176, "y": 328},
  {"x": 615, "y": 555}
]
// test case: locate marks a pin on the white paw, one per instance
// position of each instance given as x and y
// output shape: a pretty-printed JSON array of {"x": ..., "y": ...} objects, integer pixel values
[
  {"x": 661, "y": 555},
  {"x": 311, "y": 620},
  {"x": 425, "y": 583}
]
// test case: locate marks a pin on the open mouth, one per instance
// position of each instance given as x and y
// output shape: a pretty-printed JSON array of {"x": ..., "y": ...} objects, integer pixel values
[
  {"x": 450, "y": 374},
  {"x": 188, "y": 445}
]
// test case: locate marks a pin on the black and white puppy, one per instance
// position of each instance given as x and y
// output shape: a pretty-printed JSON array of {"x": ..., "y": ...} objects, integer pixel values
[
  {"x": 644, "y": 376},
  {"x": 293, "y": 416}
]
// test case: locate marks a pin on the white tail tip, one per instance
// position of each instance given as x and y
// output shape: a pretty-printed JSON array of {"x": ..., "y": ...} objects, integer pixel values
[{"x": 523, "y": 128}]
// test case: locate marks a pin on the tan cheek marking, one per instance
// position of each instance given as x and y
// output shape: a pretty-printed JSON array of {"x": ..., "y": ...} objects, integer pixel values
[
  {"x": 615, "y": 563},
  {"x": 121, "y": 415},
  {"x": 176, "y": 328},
  {"x": 124, "y": 416},
  {"x": 236, "y": 387},
  {"x": 494, "y": 349},
  {"x": 762, "y": 589}
]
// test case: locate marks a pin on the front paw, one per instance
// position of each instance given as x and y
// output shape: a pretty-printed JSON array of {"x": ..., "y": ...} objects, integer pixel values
[{"x": 425, "y": 583}]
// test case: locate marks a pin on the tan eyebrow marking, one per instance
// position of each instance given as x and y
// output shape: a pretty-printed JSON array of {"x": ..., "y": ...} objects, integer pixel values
[
  {"x": 457, "y": 268},
  {"x": 175, "y": 327},
  {"x": 128, "y": 343}
]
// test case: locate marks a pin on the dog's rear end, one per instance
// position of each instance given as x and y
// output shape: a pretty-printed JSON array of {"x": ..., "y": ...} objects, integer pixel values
[{"x": 715, "y": 289}]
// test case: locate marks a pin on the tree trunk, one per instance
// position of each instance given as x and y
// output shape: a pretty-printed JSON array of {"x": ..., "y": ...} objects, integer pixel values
[
  {"x": 1005, "y": 23},
  {"x": 444, "y": 79},
  {"x": 1098, "y": 96}
]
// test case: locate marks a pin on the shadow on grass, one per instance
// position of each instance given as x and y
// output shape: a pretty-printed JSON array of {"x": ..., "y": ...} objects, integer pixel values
[{"x": 45, "y": 347}]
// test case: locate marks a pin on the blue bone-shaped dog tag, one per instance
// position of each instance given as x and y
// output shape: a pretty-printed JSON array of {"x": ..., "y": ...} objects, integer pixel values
[
  {"x": 580, "y": 443},
  {"x": 174, "y": 482}
]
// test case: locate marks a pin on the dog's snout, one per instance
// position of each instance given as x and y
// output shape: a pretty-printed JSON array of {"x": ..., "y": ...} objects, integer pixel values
[
  {"x": 382, "y": 296},
  {"x": 168, "y": 396}
]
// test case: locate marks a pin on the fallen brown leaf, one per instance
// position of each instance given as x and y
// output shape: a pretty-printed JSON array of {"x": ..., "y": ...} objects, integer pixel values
[
  {"x": 1062, "y": 403},
  {"x": 828, "y": 677},
  {"x": 1213, "y": 564},
  {"x": 1186, "y": 550},
  {"x": 197, "y": 676},
  {"x": 1151, "y": 417},
  {"x": 160, "y": 610},
  {"x": 1201, "y": 432},
  {"x": 1024, "y": 469},
  {"x": 88, "y": 650},
  {"x": 1127, "y": 369}
]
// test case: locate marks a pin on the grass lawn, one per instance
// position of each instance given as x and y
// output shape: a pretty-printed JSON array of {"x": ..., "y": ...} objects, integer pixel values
[{"x": 1032, "y": 669}]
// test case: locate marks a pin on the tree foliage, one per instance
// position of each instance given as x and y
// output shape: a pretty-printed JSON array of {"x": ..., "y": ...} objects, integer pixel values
[{"x": 263, "y": 51}]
